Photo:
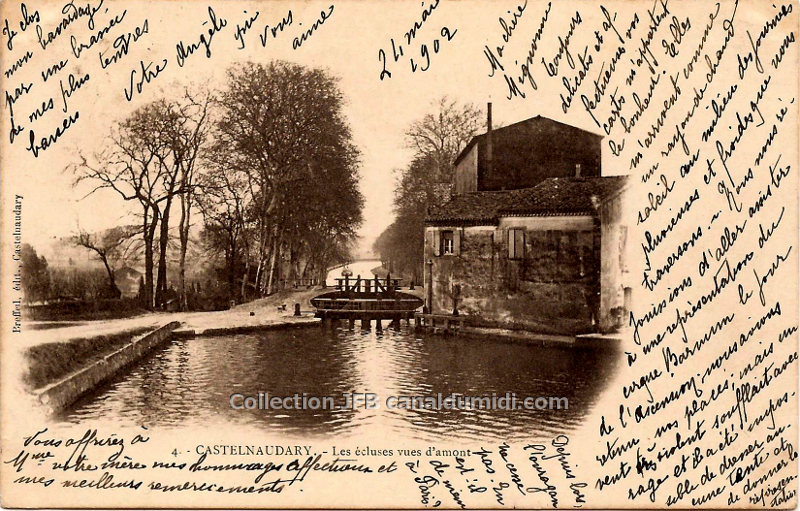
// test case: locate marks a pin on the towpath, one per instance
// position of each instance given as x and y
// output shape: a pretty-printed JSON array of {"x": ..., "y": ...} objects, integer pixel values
[{"x": 264, "y": 312}]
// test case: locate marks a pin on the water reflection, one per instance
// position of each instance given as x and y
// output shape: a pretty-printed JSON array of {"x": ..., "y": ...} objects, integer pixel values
[{"x": 190, "y": 382}]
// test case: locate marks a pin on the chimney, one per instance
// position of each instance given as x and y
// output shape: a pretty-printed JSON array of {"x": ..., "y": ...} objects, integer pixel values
[
  {"x": 489, "y": 138},
  {"x": 577, "y": 170}
]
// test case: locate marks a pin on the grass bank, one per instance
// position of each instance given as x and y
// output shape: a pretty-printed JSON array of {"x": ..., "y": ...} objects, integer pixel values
[
  {"x": 48, "y": 363},
  {"x": 84, "y": 310}
]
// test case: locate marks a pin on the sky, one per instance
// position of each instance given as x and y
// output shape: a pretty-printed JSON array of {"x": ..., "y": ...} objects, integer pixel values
[{"x": 347, "y": 44}]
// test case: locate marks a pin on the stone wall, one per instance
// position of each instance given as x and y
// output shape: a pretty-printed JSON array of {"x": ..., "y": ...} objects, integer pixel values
[
  {"x": 554, "y": 287},
  {"x": 615, "y": 271},
  {"x": 63, "y": 393}
]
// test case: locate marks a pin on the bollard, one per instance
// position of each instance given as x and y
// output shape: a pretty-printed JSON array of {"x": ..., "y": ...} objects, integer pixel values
[{"x": 297, "y": 309}]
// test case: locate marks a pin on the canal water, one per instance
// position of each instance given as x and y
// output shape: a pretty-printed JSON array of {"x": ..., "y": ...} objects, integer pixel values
[{"x": 190, "y": 381}]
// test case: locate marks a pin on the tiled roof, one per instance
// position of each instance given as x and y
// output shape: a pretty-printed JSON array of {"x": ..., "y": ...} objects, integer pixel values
[
  {"x": 476, "y": 206},
  {"x": 552, "y": 197},
  {"x": 566, "y": 196}
]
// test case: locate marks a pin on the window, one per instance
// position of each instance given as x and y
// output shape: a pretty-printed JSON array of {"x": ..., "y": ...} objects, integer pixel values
[
  {"x": 516, "y": 243},
  {"x": 448, "y": 243}
]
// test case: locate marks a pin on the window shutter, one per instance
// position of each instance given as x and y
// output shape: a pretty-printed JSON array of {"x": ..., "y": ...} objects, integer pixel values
[
  {"x": 511, "y": 242},
  {"x": 457, "y": 242},
  {"x": 437, "y": 243},
  {"x": 519, "y": 243}
]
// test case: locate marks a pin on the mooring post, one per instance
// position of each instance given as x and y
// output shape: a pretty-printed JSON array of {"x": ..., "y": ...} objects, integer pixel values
[{"x": 297, "y": 309}]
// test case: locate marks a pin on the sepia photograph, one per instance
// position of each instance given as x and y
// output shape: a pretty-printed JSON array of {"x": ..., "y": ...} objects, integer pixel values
[{"x": 443, "y": 254}]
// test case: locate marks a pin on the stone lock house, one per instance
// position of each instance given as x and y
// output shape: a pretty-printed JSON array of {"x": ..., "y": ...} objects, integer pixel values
[{"x": 533, "y": 236}]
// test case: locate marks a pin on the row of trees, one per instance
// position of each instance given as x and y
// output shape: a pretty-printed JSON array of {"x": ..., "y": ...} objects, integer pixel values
[
  {"x": 268, "y": 162},
  {"x": 436, "y": 139}
]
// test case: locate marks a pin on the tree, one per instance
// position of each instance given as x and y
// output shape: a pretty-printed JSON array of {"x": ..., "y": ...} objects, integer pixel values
[
  {"x": 151, "y": 159},
  {"x": 282, "y": 127},
  {"x": 440, "y": 136},
  {"x": 69, "y": 283},
  {"x": 133, "y": 165},
  {"x": 190, "y": 138},
  {"x": 35, "y": 278},
  {"x": 109, "y": 248},
  {"x": 223, "y": 205},
  {"x": 437, "y": 139}
]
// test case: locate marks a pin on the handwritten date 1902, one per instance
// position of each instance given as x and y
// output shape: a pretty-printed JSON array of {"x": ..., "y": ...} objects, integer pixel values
[{"x": 398, "y": 50}]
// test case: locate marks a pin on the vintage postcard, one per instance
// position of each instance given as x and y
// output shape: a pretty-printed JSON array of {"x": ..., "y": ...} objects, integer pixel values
[{"x": 399, "y": 254}]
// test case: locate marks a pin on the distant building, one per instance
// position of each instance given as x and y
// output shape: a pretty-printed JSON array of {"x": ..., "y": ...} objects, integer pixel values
[{"x": 531, "y": 250}]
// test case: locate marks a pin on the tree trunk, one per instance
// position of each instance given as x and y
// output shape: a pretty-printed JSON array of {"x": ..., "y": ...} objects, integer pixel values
[
  {"x": 183, "y": 229},
  {"x": 260, "y": 281},
  {"x": 149, "y": 231},
  {"x": 230, "y": 259},
  {"x": 112, "y": 283},
  {"x": 263, "y": 256},
  {"x": 161, "y": 284},
  {"x": 273, "y": 262},
  {"x": 246, "y": 249},
  {"x": 244, "y": 279}
]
